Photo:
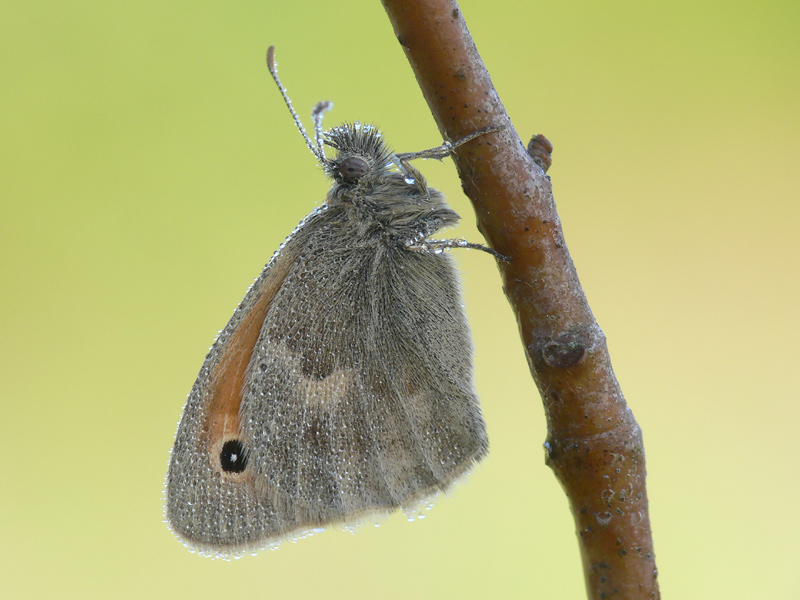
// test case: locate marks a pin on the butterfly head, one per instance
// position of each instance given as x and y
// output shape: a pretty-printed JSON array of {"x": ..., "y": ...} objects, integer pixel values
[{"x": 361, "y": 153}]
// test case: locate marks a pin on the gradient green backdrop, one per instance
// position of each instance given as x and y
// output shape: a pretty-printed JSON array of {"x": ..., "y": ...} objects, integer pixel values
[{"x": 149, "y": 169}]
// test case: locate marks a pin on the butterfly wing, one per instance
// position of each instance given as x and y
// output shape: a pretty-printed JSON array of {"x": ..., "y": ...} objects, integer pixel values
[{"x": 355, "y": 395}]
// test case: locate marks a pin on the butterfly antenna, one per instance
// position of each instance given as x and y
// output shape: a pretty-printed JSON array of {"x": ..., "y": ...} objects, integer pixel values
[{"x": 319, "y": 110}]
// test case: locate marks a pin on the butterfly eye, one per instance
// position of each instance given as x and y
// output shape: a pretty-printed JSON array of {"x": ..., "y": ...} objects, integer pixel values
[
  {"x": 232, "y": 457},
  {"x": 353, "y": 167}
]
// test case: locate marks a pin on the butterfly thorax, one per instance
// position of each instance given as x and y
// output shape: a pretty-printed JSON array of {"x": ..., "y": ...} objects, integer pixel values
[{"x": 382, "y": 194}]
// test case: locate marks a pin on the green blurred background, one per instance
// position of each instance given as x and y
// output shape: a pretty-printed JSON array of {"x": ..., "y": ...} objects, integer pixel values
[{"x": 149, "y": 169}]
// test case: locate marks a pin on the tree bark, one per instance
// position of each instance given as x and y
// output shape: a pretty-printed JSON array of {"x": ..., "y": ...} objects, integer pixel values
[{"x": 593, "y": 442}]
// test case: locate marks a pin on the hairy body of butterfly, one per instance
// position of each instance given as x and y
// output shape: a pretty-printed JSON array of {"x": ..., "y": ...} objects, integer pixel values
[{"x": 342, "y": 385}]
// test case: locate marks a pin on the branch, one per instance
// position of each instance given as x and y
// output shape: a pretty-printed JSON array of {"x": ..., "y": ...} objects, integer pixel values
[{"x": 594, "y": 443}]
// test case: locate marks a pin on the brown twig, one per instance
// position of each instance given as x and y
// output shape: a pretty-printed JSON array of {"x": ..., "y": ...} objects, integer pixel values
[{"x": 594, "y": 443}]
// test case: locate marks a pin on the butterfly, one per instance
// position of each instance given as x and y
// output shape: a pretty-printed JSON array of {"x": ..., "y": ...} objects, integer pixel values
[{"x": 342, "y": 385}]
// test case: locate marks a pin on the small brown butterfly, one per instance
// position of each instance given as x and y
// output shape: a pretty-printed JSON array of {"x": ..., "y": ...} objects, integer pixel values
[{"x": 342, "y": 385}]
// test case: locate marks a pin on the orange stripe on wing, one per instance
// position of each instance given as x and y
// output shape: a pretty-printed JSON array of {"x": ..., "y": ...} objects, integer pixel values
[{"x": 229, "y": 376}]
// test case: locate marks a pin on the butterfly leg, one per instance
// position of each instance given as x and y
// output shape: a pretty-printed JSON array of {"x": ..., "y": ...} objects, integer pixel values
[{"x": 439, "y": 246}]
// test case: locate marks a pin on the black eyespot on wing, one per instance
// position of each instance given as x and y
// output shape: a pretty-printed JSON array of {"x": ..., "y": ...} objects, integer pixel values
[
  {"x": 232, "y": 457},
  {"x": 353, "y": 167}
]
